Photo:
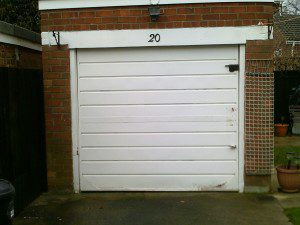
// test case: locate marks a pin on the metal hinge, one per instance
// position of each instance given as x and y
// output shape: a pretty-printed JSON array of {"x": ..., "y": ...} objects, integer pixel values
[
  {"x": 233, "y": 67},
  {"x": 77, "y": 151}
]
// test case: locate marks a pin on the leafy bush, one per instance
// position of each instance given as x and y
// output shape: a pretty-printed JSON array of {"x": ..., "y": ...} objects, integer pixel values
[
  {"x": 23, "y": 13},
  {"x": 280, "y": 154}
]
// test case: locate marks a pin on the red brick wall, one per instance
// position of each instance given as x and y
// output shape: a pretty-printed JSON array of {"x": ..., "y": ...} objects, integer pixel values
[
  {"x": 174, "y": 16},
  {"x": 57, "y": 78},
  {"x": 28, "y": 58}
]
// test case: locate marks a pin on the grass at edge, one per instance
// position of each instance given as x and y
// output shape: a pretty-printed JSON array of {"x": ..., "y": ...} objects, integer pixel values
[{"x": 294, "y": 215}]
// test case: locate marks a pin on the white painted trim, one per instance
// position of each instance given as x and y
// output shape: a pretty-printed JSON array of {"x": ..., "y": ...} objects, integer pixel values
[
  {"x": 74, "y": 108},
  {"x": 67, "y": 4},
  {"x": 169, "y": 37},
  {"x": 241, "y": 140},
  {"x": 9, "y": 39}
]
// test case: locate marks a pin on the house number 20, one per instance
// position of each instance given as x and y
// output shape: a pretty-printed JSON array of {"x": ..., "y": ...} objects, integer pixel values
[{"x": 154, "y": 38}]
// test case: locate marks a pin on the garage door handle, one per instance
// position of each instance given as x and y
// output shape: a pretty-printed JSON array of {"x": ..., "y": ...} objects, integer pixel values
[
  {"x": 233, "y": 146},
  {"x": 233, "y": 67}
]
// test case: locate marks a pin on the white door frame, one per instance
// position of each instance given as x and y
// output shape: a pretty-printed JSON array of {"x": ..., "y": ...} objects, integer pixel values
[
  {"x": 75, "y": 113},
  {"x": 241, "y": 125},
  {"x": 75, "y": 119}
]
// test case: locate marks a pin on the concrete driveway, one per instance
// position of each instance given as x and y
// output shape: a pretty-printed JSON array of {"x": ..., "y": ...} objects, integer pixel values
[{"x": 153, "y": 209}]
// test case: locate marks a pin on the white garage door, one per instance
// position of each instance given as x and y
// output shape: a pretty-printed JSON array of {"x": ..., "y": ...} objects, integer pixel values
[{"x": 158, "y": 119}]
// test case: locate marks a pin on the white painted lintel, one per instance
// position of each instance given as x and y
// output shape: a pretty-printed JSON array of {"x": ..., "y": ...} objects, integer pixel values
[{"x": 168, "y": 37}]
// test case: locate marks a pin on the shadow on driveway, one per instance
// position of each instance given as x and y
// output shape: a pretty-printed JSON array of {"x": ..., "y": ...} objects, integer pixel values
[{"x": 153, "y": 209}]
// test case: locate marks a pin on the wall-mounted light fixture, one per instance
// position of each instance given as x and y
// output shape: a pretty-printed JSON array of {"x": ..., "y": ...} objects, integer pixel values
[{"x": 154, "y": 12}]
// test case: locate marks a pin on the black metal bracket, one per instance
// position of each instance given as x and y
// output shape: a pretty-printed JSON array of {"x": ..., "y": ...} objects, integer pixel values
[
  {"x": 270, "y": 29},
  {"x": 233, "y": 67},
  {"x": 56, "y": 36}
]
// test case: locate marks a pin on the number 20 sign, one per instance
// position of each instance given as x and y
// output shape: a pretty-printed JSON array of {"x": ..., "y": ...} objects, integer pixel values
[{"x": 154, "y": 38}]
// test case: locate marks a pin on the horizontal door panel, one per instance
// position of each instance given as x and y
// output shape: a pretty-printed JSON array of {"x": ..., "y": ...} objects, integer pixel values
[
  {"x": 159, "y": 183},
  {"x": 157, "y": 110},
  {"x": 158, "y": 83},
  {"x": 147, "y": 119},
  {"x": 158, "y": 54},
  {"x": 154, "y": 68},
  {"x": 158, "y": 97},
  {"x": 158, "y": 153},
  {"x": 158, "y": 139},
  {"x": 158, "y": 167},
  {"x": 93, "y": 126}
]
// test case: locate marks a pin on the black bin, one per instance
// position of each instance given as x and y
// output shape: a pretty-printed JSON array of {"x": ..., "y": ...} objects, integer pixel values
[{"x": 7, "y": 195}]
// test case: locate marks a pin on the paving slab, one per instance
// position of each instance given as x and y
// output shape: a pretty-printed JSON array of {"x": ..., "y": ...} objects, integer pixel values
[
  {"x": 153, "y": 209},
  {"x": 288, "y": 200}
]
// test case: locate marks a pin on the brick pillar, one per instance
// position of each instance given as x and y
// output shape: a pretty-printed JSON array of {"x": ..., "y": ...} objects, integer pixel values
[
  {"x": 259, "y": 106},
  {"x": 58, "y": 116}
]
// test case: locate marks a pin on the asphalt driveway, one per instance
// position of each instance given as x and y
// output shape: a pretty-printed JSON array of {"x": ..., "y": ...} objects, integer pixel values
[{"x": 153, "y": 209}]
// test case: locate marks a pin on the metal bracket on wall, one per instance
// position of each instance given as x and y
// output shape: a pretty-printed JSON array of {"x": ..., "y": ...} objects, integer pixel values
[
  {"x": 56, "y": 36},
  {"x": 17, "y": 54},
  {"x": 270, "y": 29}
]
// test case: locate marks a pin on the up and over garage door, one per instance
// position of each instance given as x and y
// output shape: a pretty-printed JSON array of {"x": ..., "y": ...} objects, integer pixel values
[{"x": 158, "y": 119}]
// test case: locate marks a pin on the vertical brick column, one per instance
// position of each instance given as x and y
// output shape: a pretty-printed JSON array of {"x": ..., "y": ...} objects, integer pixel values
[
  {"x": 259, "y": 106},
  {"x": 58, "y": 116}
]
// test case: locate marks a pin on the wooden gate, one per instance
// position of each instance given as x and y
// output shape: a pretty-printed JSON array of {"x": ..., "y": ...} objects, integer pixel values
[{"x": 22, "y": 147}]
